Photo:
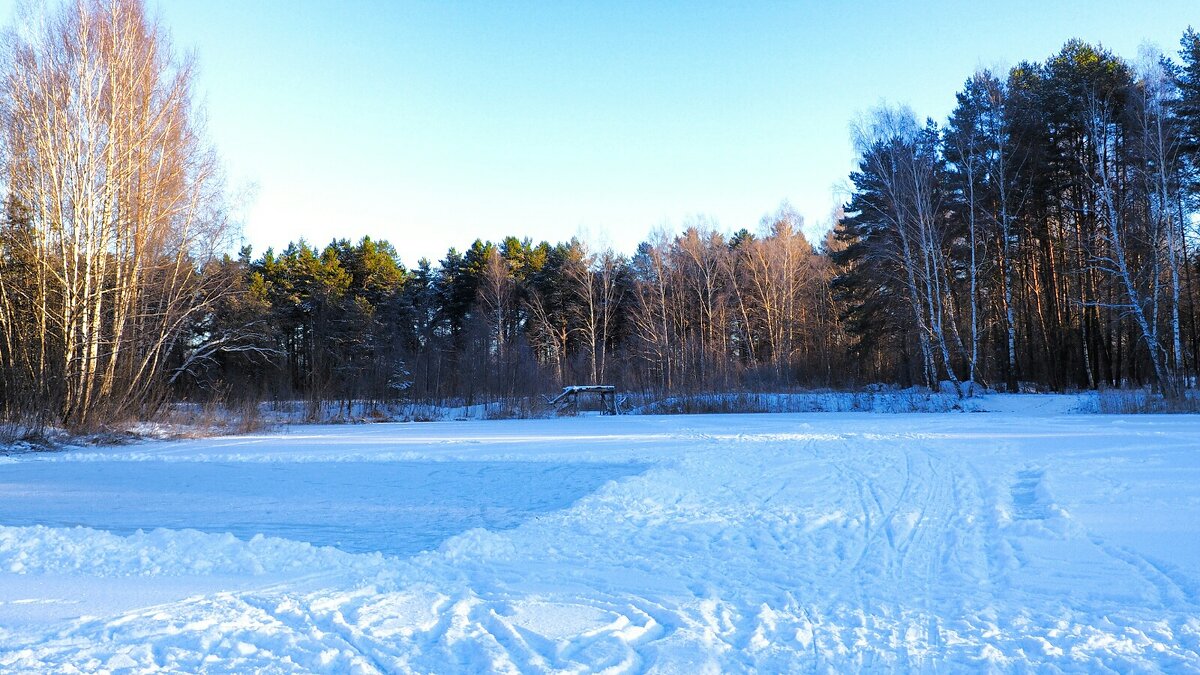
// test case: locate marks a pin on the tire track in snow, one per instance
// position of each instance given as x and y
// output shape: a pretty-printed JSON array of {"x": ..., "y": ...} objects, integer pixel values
[{"x": 916, "y": 534}]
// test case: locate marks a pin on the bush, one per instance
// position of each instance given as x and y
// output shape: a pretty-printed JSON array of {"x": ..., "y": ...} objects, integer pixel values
[
  {"x": 876, "y": 400},
  {"x": 1141, "y": 401}
]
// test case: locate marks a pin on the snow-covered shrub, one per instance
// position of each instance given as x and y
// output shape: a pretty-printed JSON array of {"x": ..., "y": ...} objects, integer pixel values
[
  {"x": 1139, "y": 401},
  {"x": 914, "y": 399}
]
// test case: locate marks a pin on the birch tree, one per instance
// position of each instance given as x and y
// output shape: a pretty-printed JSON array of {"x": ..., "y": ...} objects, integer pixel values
[
  {"x": 1159, "y": 174},
  {"x": 1139, "y": 302},
  {"x": 898, "y": 205},
  {"x": 120, "y": 200}
]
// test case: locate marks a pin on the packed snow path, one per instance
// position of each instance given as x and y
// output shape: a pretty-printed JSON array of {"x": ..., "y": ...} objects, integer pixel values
[{"x": 823, "y": 542}]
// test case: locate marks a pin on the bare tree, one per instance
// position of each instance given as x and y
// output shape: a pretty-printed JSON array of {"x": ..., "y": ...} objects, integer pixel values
[
  {"x": 120, "y": 197},
  {"x": 496, "y": 291},
  {"x": 1139, "y": 302},
  {"x": 778, "y": 280},
  {"x": 1003, "y": 165},
  {"x": 651, "y": 312},
  {"x": 594, "y": 278},
  {"x": 1160, "y": 169},
  {"x": 885, "y": 143},
  {"x": 701, "y": 250}
]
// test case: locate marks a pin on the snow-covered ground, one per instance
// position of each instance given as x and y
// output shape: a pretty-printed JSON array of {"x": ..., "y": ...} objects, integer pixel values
[{"x": 1015, "y": 540}]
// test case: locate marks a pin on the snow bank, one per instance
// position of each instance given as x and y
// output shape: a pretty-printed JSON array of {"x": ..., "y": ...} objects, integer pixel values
[{"x": 161, "y": 552}]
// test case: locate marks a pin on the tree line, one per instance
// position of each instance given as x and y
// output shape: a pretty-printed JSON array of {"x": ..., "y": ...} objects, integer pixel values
[
  {"x": 690, "y": 312},
  {"x": 1043, "y": 235}
]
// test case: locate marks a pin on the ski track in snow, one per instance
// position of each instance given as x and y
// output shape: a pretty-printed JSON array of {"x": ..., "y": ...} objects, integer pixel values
[{"x": 771, "y": 543}]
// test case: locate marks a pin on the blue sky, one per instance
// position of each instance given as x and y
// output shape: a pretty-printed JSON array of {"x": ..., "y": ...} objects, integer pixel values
[{"x": 433, "y": 123}]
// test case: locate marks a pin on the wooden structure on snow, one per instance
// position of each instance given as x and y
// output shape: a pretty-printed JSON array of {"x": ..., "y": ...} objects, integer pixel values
[{"x": 569, "y": 398}]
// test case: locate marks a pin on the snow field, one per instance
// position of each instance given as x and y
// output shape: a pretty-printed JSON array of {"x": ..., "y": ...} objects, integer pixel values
[{"x": 822, "y": 542}]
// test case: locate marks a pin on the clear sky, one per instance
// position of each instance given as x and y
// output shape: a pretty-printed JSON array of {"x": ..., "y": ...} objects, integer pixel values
[{"x": 433, "y": 123}]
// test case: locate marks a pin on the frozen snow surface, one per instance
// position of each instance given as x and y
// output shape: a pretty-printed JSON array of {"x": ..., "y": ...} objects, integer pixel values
[{"x": 1024, "y": 539}]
